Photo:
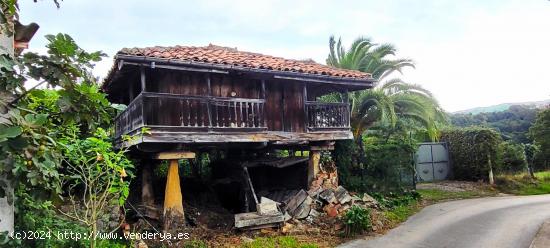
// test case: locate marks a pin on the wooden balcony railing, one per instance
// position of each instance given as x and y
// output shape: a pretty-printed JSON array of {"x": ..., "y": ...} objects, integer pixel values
[
  {"x": 327, "y": 116},
  {"x": 181, "y": 113},
  {"x": 191, "y": 113}
]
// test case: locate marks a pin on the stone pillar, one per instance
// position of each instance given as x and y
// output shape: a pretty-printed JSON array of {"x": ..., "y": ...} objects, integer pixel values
[
  {"x": 173, "y": 204},
  {"x": 313, "y": 166},
  {"x": 173, "y": 200}
]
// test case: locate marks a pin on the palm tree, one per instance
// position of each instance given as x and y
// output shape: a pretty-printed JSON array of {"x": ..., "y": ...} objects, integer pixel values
[
  {"x": 391, "y": 99},
  {"x": 366, "y": 56}
]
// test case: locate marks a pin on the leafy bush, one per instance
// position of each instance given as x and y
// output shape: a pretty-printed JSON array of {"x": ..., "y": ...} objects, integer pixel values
[
  {"x": 384, "y": 167},
  {"x": 472, "y": 151},
  {"x": 393, "y": 200},
  {"x": 512, "y": 157},
  {"x": 540, "y": 133},
  {"x": 357, "y": 220},
  {"x": 39, "y": 216},
  {"x": 104, "y": 173}
]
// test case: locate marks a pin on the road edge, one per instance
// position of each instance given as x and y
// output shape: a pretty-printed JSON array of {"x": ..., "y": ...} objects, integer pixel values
[{"x": 542, "y": 238}]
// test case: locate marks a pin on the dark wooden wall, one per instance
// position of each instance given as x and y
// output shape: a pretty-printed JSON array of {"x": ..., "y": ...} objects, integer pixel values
[
  {"x": 284, "y": 106},
  {"x": 284, "y": 109}
]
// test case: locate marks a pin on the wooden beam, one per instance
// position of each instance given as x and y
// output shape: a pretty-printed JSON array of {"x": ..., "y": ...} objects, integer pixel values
[
  {"x": 180, "y": 68},
  {"x": 208, "y": 106},
  {"x": 262, "y": 92},
  {"x": 131, "y": 92},
  {"x": 173, "y": 203},
  {"x": 247, "y": 176},
  {"x": 322, "y": 148},
  {"x": 327, "y": 81},
  {"x": 313, "y": 166},
  {"x": 174, "y": 155},
  {"x": 306, "y": 117},
  {"x": 142, "y": 79}
]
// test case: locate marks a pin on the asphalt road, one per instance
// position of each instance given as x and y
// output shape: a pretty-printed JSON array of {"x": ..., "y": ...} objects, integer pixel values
[{"x": 494, "y": 222}]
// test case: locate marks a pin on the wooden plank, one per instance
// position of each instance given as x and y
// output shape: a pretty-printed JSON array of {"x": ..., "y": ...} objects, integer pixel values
[
  {"x": 247, "y": 178},
  {"x": 295, "y": 201},
  {"x": 244, "y": 220},
  {"x": 174, "y": 155}
]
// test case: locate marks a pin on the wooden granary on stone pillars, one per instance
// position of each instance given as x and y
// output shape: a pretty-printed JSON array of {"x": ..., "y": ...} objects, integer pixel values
[{"x": 193, "y": 100}]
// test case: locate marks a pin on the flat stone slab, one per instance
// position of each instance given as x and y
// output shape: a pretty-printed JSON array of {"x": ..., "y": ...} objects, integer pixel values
[{"x": 251, "y": 220}]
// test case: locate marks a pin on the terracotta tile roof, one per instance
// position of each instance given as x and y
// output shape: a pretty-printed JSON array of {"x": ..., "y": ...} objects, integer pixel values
[{"x": 231, "y": 56}]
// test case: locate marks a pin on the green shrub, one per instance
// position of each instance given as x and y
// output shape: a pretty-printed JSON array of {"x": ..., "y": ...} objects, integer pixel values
[
  {"x": 384, "y": 166},
  {"x": 39, "y": 216},
  {"x": 393, "y": 200},
  {"x": 472, "y": 151},
  {"x": 540, "y": 134},
  {"x": 357, "y": 220},
  {"x": 512, "y": 158}
]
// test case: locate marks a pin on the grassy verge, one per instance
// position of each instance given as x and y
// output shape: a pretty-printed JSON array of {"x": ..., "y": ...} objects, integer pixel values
[
  {"x": 436, "y": 195},
  {"x": 279, "y": 242},
  {"x": 401, "y": 213},
  {"x": 523, "y": 184}
]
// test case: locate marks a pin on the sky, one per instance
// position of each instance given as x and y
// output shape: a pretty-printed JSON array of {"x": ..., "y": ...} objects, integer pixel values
[{"x": 468, "y": 53}]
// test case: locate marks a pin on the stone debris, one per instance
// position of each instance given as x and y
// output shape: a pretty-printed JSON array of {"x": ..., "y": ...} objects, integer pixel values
[
  {"x": 324, "y": 199},
  {"x": 267, "y": 207},
  {"x": 342, "y": 195}
]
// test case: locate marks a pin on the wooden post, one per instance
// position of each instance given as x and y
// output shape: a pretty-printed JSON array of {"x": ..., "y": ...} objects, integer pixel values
[
  {"x": 306, "y": 116},
  {"x": 142, "y": 79},
  {"x": 208, "y": 105},
  {"x": 313, "y": 165},
  {"x": 147, "y": 193},
  {"x": 262, "y": 92},
  {"x": 173, "y": 204},
  {"x": 131, "y": 92}
]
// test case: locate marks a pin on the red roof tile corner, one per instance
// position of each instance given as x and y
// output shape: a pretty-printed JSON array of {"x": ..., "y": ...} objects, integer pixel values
[{"x": 214, "y": 54}]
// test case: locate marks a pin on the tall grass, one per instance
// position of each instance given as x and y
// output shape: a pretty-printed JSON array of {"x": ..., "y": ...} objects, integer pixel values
[{"x": 523, "y": 184}]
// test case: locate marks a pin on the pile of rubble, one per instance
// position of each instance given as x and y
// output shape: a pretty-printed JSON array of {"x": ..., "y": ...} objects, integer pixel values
[
  {"x": 325, "y": 196},
  {"x": 323, "y": 199}
]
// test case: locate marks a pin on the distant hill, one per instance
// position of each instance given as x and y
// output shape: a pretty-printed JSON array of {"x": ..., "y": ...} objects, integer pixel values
[
  {"x": 502, "y": 107},
  {"x": 512, "y": 122}
]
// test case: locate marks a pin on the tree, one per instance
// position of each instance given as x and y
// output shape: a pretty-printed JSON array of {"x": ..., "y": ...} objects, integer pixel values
[
  {"x": 390, "y": 110},
  {"x": 393, "y": 98},
  {"x": 33, "y": 122},
  {"x": 95, "y": 177},
  {"x": 540, "y": 133},
  {"x": 366, "y": 56},
  {"x": 513, "y": 123}
]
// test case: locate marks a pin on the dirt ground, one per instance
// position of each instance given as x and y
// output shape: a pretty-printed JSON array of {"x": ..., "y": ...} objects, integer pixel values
[{"x": 453, "y": 186}]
